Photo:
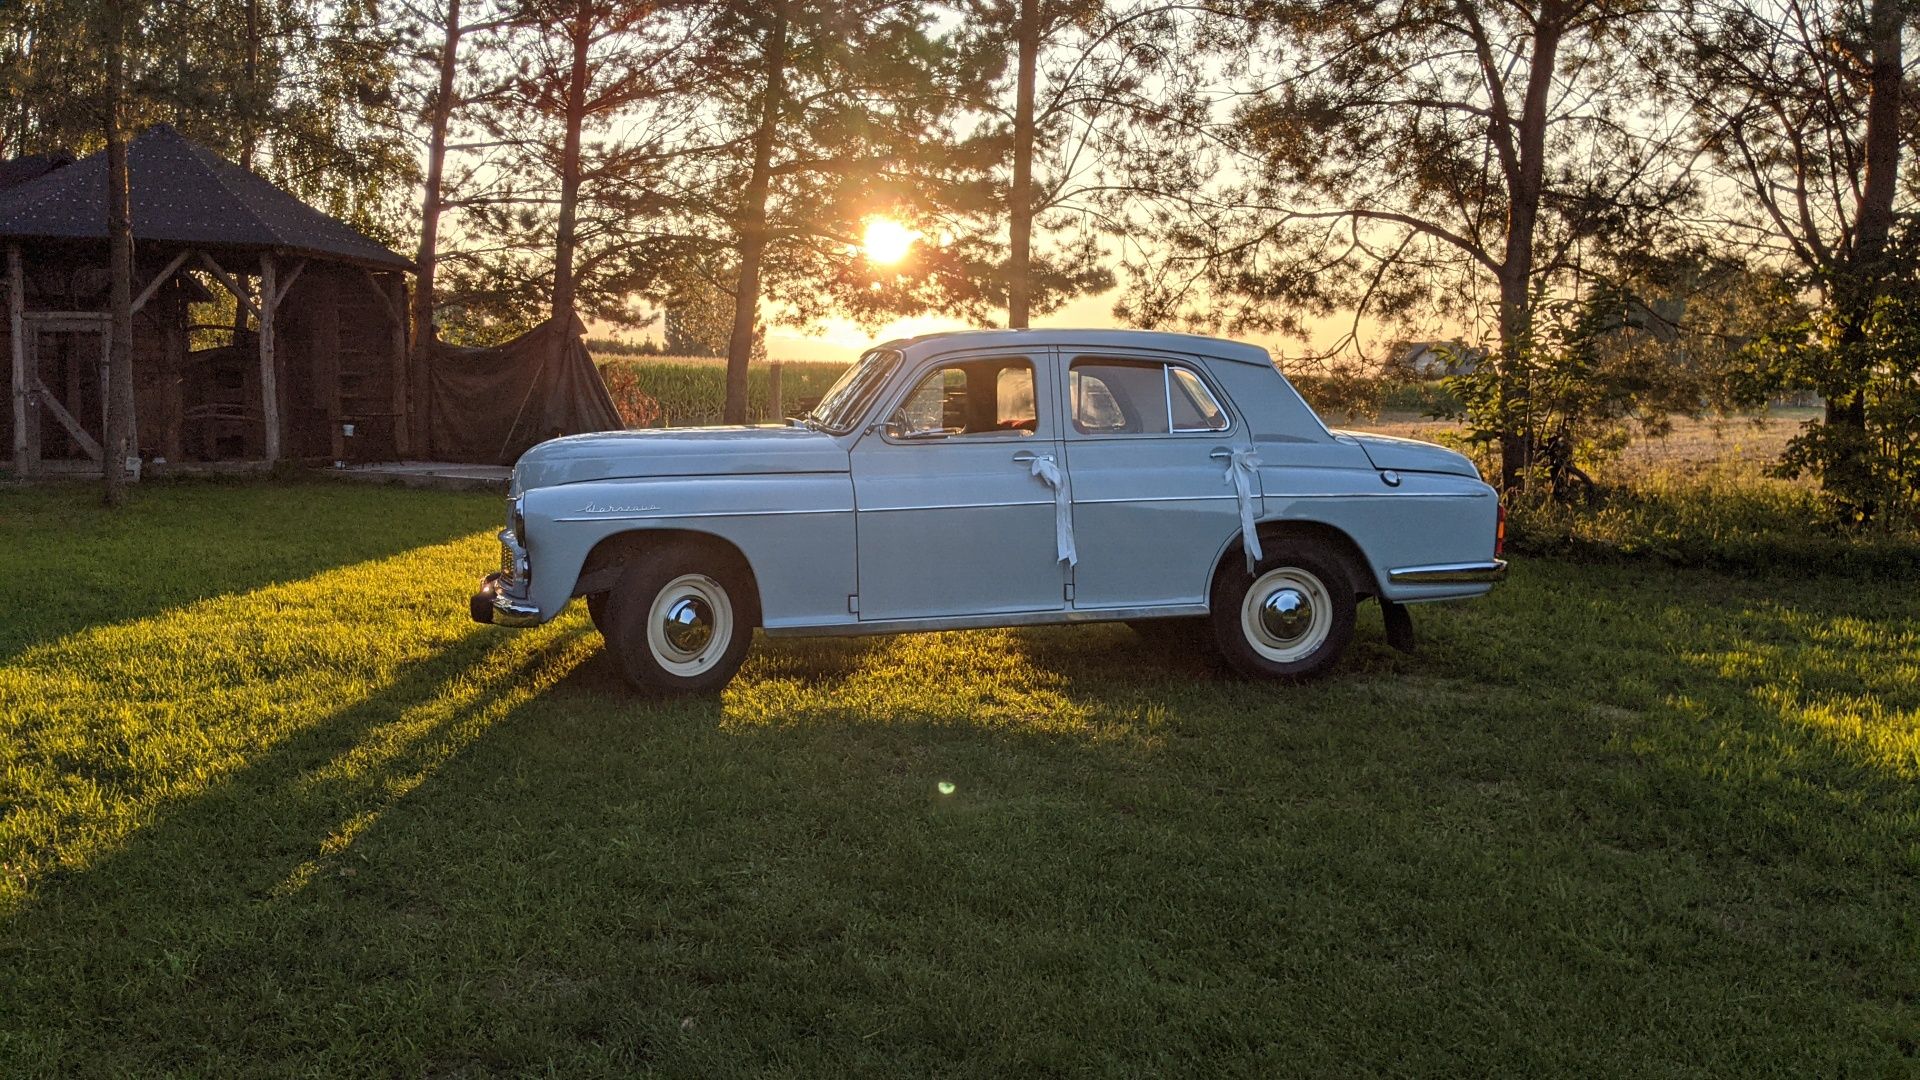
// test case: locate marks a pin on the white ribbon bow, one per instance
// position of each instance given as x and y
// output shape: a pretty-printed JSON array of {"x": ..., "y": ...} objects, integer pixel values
[
  {"x": 1241, "y": 468},
  {"x": 1049, "y": 473}
]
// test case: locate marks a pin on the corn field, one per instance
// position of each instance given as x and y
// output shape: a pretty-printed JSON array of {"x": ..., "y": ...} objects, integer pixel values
[{"x": 688, "y": 391}]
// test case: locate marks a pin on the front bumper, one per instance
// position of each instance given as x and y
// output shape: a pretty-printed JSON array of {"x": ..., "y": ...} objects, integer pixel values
[
  {"x": 1484, "y": 573},
  {"x": 493, "y": 606}
]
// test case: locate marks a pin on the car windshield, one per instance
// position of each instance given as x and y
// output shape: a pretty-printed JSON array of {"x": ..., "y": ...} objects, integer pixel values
[{"x": 850, "y": 395}]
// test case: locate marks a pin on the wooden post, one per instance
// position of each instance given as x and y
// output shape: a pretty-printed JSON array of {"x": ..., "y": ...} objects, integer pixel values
[
  {"x": 173, "y": 363},
  {"x": 774, "y": 412},
  {"x": 23, "y": 465},
  {"x": 401, "y": 444},
  {"x": 269, "y": 378},
  {"x": 323, "y": 294}
]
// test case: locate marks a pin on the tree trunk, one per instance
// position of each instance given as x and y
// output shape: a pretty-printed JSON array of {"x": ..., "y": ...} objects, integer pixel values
[
  {"x": 439, "y": 114},
  {"x": 1517, "y": 435},
  {"x": 1020, "y": 197},
  {"x": 1874, "y": 214},
  {"x": 119, "y": 444},
  {"x": 582, "y": 33},
  {"x": 753, "y": 226},
  {"x": 250, "y": 113}
]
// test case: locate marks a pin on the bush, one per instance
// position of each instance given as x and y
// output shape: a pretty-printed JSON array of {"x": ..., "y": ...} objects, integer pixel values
[
  {"x": 1420, "y": 397},
  {"x": 691, "y": 391},
  {"x": 1720, "y": 519}
]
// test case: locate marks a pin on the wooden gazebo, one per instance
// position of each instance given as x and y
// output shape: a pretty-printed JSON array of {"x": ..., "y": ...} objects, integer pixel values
[{"x": 309, "y": 362}]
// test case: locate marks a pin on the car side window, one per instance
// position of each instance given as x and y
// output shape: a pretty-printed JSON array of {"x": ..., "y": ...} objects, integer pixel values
[
  {"x": 969, "y": 398},
  {"x": 1119, "y": 397},
  {"x": 1141, "y": 397},
  {"x": 1193, "y": 405}
]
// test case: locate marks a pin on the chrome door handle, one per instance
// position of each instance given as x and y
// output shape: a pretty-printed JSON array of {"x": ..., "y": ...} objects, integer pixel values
[
  {"x": 1026, "y": 457},
  {"x": 1221, "y": 453}
]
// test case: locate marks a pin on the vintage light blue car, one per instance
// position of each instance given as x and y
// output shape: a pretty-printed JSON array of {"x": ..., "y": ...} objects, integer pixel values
[{"x": 999, "y": 478}]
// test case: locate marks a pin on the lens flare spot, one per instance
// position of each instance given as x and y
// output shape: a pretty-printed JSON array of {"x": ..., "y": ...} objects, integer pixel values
[{"x": 946, "y": 787}]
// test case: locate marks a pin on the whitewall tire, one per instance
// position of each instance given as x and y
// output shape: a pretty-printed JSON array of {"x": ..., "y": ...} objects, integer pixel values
[
  {"x": 1291, "y": 618},
  {"x": 679, "y": 621}
]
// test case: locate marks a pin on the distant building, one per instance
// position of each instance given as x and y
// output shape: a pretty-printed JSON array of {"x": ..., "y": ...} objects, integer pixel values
[{"x": 1435, "y": 359}]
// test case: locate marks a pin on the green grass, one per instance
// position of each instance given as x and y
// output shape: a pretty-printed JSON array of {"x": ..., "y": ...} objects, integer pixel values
[{"x": 269, "y": 805}]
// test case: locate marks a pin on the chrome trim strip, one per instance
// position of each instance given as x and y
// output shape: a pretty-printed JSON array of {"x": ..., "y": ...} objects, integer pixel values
[
  {"x": 955, "y": 506},
  {"x": 987, "y": 622},
  {"x": 1159, "y": 498},
  {"x": 1381, "y": 494},
  {"x": 674, "y": 516},
  {"x": 1485, "y": 573}
]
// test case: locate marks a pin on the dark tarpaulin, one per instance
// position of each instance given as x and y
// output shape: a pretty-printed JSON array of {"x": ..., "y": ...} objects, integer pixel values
[{"x": 487, "y": 406}]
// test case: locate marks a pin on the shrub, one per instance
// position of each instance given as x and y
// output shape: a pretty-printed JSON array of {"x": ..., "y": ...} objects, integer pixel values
[{"x": 1719, "y": 519}]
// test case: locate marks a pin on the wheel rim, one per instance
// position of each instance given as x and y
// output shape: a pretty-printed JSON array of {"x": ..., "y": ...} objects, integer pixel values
[
  {"x": 1286, "y": 615},
  {"x": 689, "y": 624}
]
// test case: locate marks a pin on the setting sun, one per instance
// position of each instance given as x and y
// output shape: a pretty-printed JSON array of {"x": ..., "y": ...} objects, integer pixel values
[{"x": 887, "y": 241}]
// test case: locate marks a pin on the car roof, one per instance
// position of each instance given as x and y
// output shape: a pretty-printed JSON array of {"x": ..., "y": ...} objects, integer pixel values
[{"x": 1193, "y": 344}]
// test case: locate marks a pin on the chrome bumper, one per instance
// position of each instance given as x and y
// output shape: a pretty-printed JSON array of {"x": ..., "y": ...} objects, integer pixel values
[
  {"x": 493, "y": 606},
  {"x": 1480, "y": 573}
]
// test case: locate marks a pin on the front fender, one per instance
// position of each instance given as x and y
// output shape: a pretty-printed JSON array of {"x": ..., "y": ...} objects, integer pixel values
[{"x": 795, "y": 530}]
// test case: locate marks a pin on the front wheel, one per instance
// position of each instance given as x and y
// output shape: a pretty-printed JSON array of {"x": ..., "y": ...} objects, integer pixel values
[
  {"x": 1291, "y": 619},
  {"x": 680, "y": 622}
]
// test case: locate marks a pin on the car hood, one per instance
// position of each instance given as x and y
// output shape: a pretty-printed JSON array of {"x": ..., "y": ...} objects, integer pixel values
[
  {"x": 1410, "y": 455},
  {"x": 713, "y": 451}
]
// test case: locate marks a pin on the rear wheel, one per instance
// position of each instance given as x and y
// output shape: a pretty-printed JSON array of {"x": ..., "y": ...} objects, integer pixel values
[
  {"x": 680, "y": 620},
  {"x": 1290, "y": 619}
]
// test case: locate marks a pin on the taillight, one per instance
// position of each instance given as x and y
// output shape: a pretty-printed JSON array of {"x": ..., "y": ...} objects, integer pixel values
[{"x": 1500, "y": 532}]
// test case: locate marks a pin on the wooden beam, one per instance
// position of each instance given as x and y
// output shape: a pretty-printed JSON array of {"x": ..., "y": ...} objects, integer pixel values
[
  {"x": 269, "y": 378},
  {"x": 52, "y": 402},
  {"x": 287, "y": 285},
  {"x": 160, "y": 279},
  {"x": 233, "y": 286},
  {"x": 17, "y": 338},
  {"x": 373, "y": 283}
]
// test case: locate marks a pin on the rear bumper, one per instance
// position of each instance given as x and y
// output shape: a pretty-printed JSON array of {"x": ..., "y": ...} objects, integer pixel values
[
  {"x": 493, "y": 606},
  {"x": 1484, "y": 573}
]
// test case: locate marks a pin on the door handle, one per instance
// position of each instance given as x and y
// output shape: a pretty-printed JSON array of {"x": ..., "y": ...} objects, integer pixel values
[
  {"x": 1028, "y": 457},
  {"x": 1221, "y": 453}
]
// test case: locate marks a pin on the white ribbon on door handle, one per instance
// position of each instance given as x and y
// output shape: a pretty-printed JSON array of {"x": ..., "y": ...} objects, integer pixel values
[
  {"x": 1241, "y": 469},
  {"x": 1048, "y": 472}
]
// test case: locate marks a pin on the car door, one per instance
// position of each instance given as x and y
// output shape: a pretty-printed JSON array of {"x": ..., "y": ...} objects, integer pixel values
[
  {"x": 950, "y": 517},
  {"x": 1148, "y": 441}
]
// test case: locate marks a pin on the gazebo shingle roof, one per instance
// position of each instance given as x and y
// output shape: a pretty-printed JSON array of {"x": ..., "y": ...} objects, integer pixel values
[{"x": 182, "y": 194}]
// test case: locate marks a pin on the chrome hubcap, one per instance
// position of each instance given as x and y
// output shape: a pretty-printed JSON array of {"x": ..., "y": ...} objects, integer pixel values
[
  {"x": 1287, "y": 614},
  {"x": 687, "y": 625},
  {"x": 690, "y": 624}
]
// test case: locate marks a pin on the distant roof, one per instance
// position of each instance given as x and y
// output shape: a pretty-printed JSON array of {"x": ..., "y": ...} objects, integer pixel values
[
  {"x": 183, "y": 193},
  {"x": 22, "y": 169},
  {"x": 1094, "y": 339}
]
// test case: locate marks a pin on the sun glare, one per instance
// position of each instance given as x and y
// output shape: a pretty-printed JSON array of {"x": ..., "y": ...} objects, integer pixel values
[{"x": 887, "y": 241}]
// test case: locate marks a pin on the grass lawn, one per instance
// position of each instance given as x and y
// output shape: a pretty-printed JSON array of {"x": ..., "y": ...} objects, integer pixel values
[{"x": 270, "y": 805}]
